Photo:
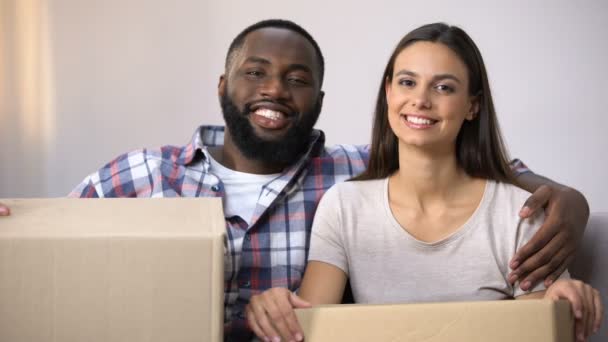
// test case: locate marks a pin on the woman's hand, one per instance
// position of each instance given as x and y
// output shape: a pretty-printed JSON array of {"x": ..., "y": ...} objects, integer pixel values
[
  {"x": 271, "y": 317},
  {"x": 4, "y": 210},
  {"x": 586, "y": 304}
]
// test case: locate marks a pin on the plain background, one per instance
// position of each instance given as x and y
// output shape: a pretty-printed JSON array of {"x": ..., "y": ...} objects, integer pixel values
[{"x": 125, "y": 74}]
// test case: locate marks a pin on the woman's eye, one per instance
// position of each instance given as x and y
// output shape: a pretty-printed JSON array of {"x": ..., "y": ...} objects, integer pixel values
[
  {"x": 407, "y": 83},
  {"x": 444, "y": 88}
]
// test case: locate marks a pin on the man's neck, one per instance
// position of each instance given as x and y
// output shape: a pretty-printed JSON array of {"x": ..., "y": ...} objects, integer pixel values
[{"x": 231, "y": 157}]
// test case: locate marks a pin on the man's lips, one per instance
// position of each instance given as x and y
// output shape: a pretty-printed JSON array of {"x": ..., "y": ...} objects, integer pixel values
[
  {"x": 273, "y": 106},
  {"x": 270, "y": 115}
]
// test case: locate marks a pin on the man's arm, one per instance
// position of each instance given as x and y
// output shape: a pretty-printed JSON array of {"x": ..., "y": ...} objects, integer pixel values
[{"x": 552, "y": 248}]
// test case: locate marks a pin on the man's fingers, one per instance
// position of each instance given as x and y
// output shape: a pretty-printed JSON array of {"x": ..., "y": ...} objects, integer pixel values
[
  {"x": 558, "y": 271},
  {"x": 4, "y": 210},
  {"x": 536, "y": 201},
  {"x": 547, "y": 232},
  {"x": 541, "y": 264}
]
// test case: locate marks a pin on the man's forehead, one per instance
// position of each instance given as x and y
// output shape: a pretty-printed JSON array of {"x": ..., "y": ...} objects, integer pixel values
[{"x": 279, "y": 44}]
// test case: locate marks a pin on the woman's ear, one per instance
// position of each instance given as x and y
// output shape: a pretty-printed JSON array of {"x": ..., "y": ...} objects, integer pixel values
[
  {"x": 473, "y": 108},
  {"x": 387, "y": 87}
]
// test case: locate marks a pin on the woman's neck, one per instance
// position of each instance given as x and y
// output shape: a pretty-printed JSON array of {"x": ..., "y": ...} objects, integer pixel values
[{"x": 431, "y": 177}]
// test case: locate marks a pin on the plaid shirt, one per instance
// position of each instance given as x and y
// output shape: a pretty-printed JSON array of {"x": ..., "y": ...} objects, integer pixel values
[{"x": 272, "y": 251}]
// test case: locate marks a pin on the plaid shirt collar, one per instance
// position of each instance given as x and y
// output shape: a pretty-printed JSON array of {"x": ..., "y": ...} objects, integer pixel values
[{"x": 211, "y": 136}]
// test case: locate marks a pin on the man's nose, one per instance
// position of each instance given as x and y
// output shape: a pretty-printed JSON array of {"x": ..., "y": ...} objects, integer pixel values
[{"x": 275, "y": 88}]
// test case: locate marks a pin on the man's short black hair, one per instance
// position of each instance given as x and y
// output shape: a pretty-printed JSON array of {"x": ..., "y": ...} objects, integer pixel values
[{"x": 238, "y": 42}]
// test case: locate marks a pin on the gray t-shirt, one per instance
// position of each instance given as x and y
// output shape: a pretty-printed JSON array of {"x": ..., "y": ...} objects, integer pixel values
[{"x": 355, "y": 230}]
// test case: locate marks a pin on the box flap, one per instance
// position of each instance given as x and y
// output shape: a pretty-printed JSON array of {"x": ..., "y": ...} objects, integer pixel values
[{"x": 496, "y": 321}]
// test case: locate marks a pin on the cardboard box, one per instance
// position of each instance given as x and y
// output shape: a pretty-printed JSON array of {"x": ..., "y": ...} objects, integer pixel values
[
  {"x": 112, "y": 270},
  {"x": 492, "y": 321}
]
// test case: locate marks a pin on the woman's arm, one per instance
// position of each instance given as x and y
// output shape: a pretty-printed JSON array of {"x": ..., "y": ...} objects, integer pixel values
[{"x": 323, "y": 283}]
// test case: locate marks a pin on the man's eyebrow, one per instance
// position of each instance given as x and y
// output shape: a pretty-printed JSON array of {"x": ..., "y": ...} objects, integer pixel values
[
  {"x": 293, "y": 66},
  {"x": 303, "y": 67},
  {"x": 256, "y": 59},
  {"x": 435, "y": 78}
]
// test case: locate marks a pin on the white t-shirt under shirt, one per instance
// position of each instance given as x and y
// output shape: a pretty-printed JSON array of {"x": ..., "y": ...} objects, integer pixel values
[
  {"x": 241, "y": 189},
  {"x": 355, "y": 230}
]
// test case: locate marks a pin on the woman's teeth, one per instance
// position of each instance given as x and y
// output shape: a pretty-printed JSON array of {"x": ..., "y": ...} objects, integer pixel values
[{"x": 419, "y": 121}]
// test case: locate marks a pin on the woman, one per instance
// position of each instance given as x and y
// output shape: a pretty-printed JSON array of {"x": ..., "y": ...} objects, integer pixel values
[{"x": 437, "y": 198}]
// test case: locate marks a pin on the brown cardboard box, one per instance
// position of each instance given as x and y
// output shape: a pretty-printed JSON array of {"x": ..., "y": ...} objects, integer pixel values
[
  {"x": 493, "y": 321},
  {"x": 112, "y": 270}
]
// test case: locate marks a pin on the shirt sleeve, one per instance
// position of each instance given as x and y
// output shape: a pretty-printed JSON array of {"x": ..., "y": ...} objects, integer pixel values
[
  {"x": 326, "y": 242},
  {"x": 527, "y": 228},
  {"x": 518, "y": 167},
  {"x": 86, "y": 189}
]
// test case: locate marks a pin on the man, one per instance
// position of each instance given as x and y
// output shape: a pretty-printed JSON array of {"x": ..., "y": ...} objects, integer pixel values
[{"x": 273, "y": 168}]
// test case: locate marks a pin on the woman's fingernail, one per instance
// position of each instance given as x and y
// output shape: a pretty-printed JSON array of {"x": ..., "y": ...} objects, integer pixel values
[
  {"x": 299, "y": 337},
  {"x": 578, "y": 314},
  {"x": 512, "y": 278},
  {"x": 548, "y": 282},
  {"x": 514, "y": 264},
  {"x": 524, "y": 211},
  {"x": 526, "y": 285},
  {"x": 3, "y": 211}
]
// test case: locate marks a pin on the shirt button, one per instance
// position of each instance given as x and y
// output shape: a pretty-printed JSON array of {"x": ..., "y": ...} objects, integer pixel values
[
  {"x": 215, "y": 188},
  {"x": 247, "y": 284},
  {"x": 241, "y": 315},
  {"x": 248, "y": 237}
]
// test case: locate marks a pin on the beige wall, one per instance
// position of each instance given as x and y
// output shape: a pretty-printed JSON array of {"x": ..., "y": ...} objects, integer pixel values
[{"x": 134, "y": 73}]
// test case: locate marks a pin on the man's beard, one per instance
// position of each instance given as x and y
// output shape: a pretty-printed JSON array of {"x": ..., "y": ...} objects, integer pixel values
[{"x": 282, "y": 152}]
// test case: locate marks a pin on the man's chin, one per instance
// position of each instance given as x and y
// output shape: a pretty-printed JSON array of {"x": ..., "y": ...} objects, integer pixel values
[{"x": 270, "y": 134}]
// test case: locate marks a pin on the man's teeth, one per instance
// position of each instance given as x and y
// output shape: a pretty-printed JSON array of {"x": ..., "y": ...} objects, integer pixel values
[
  {"x": 418, "y": 120},
  {"x": 270, "y": 114}
]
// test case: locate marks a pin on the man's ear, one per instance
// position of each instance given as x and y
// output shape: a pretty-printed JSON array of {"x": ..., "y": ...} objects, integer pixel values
[
  {"x": 321, "y": 97},
  {"x": 221, "y": 86}
]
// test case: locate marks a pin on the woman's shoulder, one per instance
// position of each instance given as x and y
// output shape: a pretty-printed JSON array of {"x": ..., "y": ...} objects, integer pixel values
[
  {"x": 510, "y": 192},
  {"x": 507, "y": 199},
  {"x": 359, "y": 186},
  {"x": 355, "y": 192}
]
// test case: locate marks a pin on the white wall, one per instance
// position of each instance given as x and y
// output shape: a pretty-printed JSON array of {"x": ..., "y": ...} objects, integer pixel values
[{"x": 134, "y": 73}]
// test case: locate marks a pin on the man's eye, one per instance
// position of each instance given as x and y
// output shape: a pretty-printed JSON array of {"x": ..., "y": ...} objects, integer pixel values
[
  {"x": 297, "y": 81},
  {"x": 254, "y": 73}
]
